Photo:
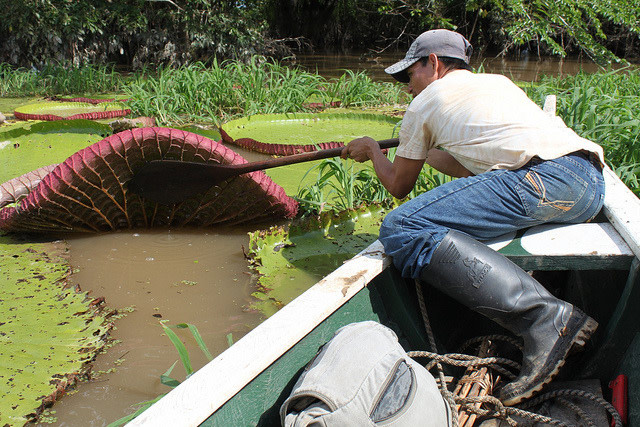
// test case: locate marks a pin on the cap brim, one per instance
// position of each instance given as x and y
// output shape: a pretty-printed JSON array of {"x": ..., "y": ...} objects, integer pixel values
[{"x": 399, "y": 70}]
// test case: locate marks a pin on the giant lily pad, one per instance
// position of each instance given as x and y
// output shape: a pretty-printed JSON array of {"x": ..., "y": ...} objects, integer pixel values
[
  {"x": 285, "y": 134},
  {"x": 93, "y": 99},
  {"x": 48, "y": 333},
  {"x": 88, "y": 191},
  {"x": 25, "y": 146},
  {"x": 291, "y": 260},
  {"x": 18, "y": 188},
  {"x": 70, "y": 110}
]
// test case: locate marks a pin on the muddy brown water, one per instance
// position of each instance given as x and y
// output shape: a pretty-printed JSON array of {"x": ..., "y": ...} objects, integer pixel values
[
  {"x": 199, "y": 277},
  {"x": 528, "y": 68},
  {"x": 196, "y": 276}
]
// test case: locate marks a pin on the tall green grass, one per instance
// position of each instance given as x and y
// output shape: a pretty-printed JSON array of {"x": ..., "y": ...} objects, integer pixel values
[
  {"x": 340, "y": 185},
  {"x": 205, "y": 93},
  {"x": 602, "y": 107},
  {"x": 197, "y": 92},
  {"x": 359, "y": 90},
  {"x": 221, "y": 91},
  {"x": 59, "y": 80}
]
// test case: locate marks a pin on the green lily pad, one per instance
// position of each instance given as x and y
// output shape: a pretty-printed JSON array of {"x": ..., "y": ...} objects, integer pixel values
[
  {"x": 70, "y": 110},
  {"x": 289, "y": 129},
  {"x": 25, "y": 146},
  {"x": 285, "y": 134},
  {"x": 48, "y": 334},
  {"x": 289, "y": 261}
]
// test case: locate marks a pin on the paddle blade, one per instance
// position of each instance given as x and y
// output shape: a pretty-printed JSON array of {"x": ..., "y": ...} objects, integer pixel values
[{"x": 173, "y": 181}]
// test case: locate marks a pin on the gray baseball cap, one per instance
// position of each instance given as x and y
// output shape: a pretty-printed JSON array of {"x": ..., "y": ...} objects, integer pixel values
[{"x": 441, "y": 42}]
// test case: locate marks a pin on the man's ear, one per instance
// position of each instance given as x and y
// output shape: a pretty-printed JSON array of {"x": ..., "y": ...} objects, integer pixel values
[{"x": 433, "y": 60}]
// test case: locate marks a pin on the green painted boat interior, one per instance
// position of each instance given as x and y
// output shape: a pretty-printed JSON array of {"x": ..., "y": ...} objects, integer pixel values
[{"x": 612, "y": 297}]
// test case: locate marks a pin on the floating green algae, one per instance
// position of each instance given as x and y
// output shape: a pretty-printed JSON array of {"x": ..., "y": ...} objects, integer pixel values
[
  {"x": 289, "y": 261},
  {"x": 310, "y": 128},
  {"x": 25, "y": 146},
  {"x": 48, "y": 333}
]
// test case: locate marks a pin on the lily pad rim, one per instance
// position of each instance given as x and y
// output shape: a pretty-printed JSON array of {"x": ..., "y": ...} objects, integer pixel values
[{"x": 325, "y": 115}]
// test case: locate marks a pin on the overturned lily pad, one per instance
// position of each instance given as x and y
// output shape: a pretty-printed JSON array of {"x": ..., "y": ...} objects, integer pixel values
[
  {"x": 88, "y": 191},
  {"x": 70, "y": 110},
  {"x": 289, "y": 261},
  {"x": 284, "y": 134},
  {"x": 25, "y": 146},
  {"x": 48, "y": 333},
  {"x": 18, "y": 188}
]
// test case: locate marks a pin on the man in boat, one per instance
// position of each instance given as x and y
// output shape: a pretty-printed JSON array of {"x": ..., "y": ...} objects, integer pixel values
[{"x": 518, "y": 167}]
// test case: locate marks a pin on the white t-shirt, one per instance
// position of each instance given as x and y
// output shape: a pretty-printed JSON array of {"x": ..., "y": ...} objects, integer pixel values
[{"x": 485, "y": 122}]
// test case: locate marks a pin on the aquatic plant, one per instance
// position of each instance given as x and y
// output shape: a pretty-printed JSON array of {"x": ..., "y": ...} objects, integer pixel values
[
  {"x": 341, "y": 185},
  {"x": 211, "y": 93},
  {"x": 165, "y": 378},
  {"x": 50, "y": 111},
  {"x": 358, "y": 89},
  {"x": 26, "y": 146},
  {"x": 290, "y": 260},
  {"x": 197, "y": 92},
  {"x": 56, "y": 79},
  {"x": 284, "y": 134},
  {"x": 222, "y": 91},
  {"x": 50, "y": 332},
  {"x": 88, "y": 191}
]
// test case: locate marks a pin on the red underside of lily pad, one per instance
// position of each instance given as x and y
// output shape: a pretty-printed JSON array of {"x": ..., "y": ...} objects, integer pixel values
[
  {"x": 88, "y": 191},
  {"x": 277, "y": 149},
  {"x": 95, "y": 115}
]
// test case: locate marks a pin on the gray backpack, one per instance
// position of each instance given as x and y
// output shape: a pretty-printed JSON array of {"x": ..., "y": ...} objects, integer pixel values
[{"x": 363, "y": 377}]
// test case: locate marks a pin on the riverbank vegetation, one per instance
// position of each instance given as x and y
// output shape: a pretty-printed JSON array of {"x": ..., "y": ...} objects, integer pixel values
[
  {"x": 209, "y": 94},
  {"x": 135, "y": 33},
  {"x": 232, "y": 89},
  {"x": 601, "y": 106}
]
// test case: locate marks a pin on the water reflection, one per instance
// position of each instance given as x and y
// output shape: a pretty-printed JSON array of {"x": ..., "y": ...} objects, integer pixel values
[{"x": 527, "y": 68}]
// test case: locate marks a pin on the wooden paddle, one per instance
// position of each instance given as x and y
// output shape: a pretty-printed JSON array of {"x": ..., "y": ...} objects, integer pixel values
[{"x": 173, "y": 181}]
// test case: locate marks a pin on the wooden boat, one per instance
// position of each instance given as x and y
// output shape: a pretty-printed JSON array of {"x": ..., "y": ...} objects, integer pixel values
[{"x": 596, "y": 266}]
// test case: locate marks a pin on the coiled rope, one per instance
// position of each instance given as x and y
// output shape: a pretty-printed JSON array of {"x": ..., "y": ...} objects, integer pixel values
[{"x": 496, "y": 409}]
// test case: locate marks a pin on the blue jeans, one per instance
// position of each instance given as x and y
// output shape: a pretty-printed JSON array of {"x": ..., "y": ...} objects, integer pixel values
[{"x": 569, "y": 189}]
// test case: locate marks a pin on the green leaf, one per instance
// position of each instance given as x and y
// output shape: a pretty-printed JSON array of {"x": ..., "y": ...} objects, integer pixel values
[
  {"x": 143, "y": 407},
  {"x": 230, "y": 339},
  {"x": 197, "y": 337},
  {"x": 167, "y": 380},
  {"x": 182, "y": 350}
]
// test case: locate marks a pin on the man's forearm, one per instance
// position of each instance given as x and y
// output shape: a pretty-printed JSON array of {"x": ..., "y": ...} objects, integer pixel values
[{"x": 398, "y": 177}]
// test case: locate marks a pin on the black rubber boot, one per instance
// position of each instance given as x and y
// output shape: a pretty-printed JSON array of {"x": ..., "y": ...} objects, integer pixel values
[{"x": 487, "y": 282}]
